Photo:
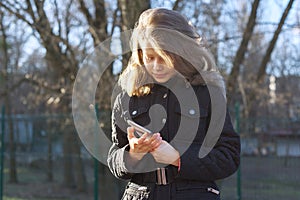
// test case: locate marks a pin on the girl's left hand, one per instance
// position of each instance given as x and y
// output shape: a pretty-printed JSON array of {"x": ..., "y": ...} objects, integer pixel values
[
  {"x": 166, "y": 154},
  {"x": 141, "y": 146}
]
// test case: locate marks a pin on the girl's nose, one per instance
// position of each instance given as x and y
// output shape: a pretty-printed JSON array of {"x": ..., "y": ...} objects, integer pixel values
[{"x": 157, "y": 65}]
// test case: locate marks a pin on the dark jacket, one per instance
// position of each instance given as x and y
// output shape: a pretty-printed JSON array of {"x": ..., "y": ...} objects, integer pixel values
[{"x": 163, "y": 111}]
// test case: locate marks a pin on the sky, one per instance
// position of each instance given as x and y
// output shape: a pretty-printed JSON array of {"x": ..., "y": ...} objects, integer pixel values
[{"x": 271, "y": 14}]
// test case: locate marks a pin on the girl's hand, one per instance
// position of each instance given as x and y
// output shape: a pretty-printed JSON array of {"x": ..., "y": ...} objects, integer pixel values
[
  {"x": 166, "y": 154},
  {"x": 141, "y": 146}
]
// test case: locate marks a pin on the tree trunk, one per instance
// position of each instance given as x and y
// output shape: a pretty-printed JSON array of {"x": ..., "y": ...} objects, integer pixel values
[
  {"x": 239, "y": 57},
  {"x": 263, "y": 66},
  {"x": 260, "y": 78},
  {"x": 130, "y": 12},
  {"x": 12, "y": 146},
  {"x": 67, "y": 160},
  {"x": 12, "y": 159}
]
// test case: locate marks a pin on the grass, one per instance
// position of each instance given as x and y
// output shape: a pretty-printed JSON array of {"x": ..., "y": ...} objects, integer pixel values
[
  {"x": 265, "y": 178},
  {"x": 11, "y": 198},
  {"x": 33, "y": 185},
  {"x": 262, "y": 178}
]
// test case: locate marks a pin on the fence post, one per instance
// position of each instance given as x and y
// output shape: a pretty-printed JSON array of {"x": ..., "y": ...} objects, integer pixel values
[
  {"x": 2, "y": 151},
  {"x": 96, "y": 164},
  {"x": 237, "y": 127}
]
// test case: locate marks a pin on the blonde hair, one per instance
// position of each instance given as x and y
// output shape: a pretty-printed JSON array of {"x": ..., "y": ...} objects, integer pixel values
[{"x": 174, "y": 39}]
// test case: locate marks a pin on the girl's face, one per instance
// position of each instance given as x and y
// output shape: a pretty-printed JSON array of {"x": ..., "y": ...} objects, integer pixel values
[{"x": 156, "y": 66}]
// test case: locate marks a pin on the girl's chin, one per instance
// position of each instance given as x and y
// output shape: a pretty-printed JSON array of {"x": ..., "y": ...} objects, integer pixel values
[{"x": 161, "y": 80}]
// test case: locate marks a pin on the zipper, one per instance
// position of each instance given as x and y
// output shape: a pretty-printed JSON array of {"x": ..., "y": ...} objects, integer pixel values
[
  {"x": 137, "y": 187},
  {"x": 142, "y": 188},
  {"x": 213, "y": 190}
]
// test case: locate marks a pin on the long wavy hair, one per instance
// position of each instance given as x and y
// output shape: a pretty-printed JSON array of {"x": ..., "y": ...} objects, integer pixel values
[{"x": 177, "y": 42}]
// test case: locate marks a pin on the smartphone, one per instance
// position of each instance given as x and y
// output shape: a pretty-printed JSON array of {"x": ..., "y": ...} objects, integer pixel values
[{"x": 139, "y": 130}]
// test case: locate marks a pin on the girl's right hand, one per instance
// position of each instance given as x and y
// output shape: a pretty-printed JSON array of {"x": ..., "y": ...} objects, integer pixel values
[{"x": 141, "y": 146}]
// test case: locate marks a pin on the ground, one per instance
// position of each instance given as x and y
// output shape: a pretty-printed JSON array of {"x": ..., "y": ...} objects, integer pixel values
[{"x": 262, "y": 178}]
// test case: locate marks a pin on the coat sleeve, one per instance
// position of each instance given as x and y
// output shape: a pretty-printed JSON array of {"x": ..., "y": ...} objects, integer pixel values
[
  {"x": 222, "y": 161},
  {"x": 119, "y": 162},
  {"x": 117, "y": 153}
]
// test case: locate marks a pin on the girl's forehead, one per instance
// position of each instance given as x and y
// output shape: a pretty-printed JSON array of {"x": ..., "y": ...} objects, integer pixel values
[{"x": 148, "y": 50}]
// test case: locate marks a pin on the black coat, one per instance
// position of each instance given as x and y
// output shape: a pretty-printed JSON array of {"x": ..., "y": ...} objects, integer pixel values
[{"x": 196, "y": 177}]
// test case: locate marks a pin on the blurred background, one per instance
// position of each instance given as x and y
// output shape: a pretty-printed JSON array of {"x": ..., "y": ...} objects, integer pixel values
[{"x": 43, "y": 43}]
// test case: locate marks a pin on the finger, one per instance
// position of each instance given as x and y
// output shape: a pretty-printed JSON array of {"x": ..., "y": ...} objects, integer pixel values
[
  {"x": 157, "y": 140},
  {"x": 147, "y": 142},
  {"x": 154, "y": 148},
  {"x": 156, "y": 143},
  {"x": 150, "y": 141},
  {"x": 143, "y": 139},
  {"x": 142, "y": 148},
  {"x": 144, "y": 145},
  {"x": 130, "y": 133},
  {"x": 153, "y": 137}
]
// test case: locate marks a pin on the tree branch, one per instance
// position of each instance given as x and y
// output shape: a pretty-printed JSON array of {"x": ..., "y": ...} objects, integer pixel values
[
  {"x": 176, "y": 4},
  {"x": 31, "y": 81},
  {"x": 263, "y": 66},
  {"x": 239, "y": 58},
  {"x": 114, "y": 23},
  {"x": 15, "y": 13},
  {"x": 85, "y": 12}
]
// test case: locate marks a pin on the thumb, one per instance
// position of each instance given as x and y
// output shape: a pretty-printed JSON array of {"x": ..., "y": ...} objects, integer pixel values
[{"x": 130, "y": 133}]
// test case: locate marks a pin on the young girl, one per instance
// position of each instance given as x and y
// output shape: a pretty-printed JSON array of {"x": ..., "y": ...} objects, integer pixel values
[{"x": 172, "y": 88}]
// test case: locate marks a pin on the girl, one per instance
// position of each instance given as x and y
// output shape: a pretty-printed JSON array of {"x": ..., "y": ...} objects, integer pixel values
[{"x": 171, "y": 87}]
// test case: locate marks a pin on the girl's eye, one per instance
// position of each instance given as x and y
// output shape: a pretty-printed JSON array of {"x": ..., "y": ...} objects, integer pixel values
[{"x": 149, "y": 58}]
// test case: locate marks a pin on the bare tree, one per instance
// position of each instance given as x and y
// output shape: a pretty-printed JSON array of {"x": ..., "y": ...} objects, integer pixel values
[
  {"x": 176, "y": 4},
  {"x": 61, "y": 60},
  {"x": 263, "y": 66},
  {"x": 6, "y": 73},
  {"x": 54, "y": 25},
  {"x": 259, "y": 79},
  {"x": 240, "y": 54},
  {"x": 130, "y": 11}
]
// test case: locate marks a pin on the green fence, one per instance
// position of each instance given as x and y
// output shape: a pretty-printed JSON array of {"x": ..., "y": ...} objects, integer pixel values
[
  {"x": 2, "y": 151},
  {"x": 40, "y": 163}
]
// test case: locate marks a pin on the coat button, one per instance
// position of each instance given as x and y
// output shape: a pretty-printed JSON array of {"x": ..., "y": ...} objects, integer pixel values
[
  {"x": 165, "y": 95},
  {"x": 134, "y": 112},
  {"x": 163, "y": 120},
  {"x": 192, "y": 111}
]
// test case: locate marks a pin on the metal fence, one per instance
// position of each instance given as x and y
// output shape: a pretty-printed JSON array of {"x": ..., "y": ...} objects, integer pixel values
[{"x": 269, "y": 164}]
